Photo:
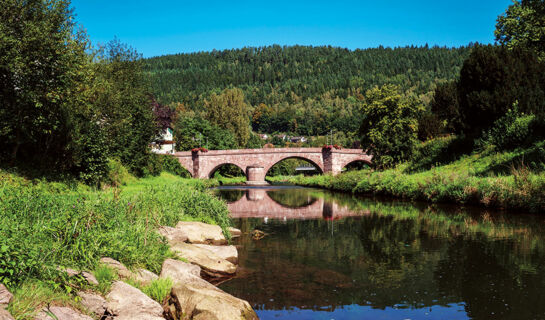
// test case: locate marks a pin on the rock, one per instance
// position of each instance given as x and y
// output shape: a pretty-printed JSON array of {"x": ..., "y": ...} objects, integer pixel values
[
  {"x": 122, "y": 271},
  {"x": 5, "y": 295},
  {"x": 197, "y": 299},
  {"x": 210, "y": 263},
  {"x": 93, "y": 302},
  {"x": 332, "y": 278},
  {"x": 228, "y": 253},
  {"x": 61, "y": 313},
  {"x": 127, "y": 302},
  {"x": 5, "y": 315},
  {"x": 198, "y": 232},
  {"x": 86, "y": 275},
  {"x": 178, "y": 270},
  {"x": 173, "y": 235},
  {"x": 235, "y": 232},
  {"x": 144, "y": 276}
]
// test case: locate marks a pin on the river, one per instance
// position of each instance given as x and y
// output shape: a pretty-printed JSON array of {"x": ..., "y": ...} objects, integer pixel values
[{"x": 336, "y": 256}]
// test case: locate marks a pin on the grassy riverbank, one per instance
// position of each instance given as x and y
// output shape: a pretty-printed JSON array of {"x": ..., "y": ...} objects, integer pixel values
[
  {"x": 511, "y": 180},
  {"x": 46, "y": 225}
]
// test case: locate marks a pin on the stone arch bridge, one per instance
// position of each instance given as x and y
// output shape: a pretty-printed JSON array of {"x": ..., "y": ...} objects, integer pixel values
[{"x": 255, "y": 163}]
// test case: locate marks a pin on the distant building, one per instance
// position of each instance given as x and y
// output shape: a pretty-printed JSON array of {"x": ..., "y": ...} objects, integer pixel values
[
  {"x": 298, "y": 139},
  {"x": 263, "y": 136},
  {"x": 282, "y": 136},
  {"x": 165, "y": 143}
]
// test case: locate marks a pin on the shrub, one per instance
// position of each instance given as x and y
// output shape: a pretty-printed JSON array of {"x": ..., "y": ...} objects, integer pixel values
[
  {"x": 513, "y": 130},
  {"x": 172, "y": 165},
  {"x": 118, "y": 175}
]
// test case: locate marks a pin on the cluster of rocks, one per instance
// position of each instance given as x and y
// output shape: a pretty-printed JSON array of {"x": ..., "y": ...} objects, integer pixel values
[{"x": 192, "y": 296}]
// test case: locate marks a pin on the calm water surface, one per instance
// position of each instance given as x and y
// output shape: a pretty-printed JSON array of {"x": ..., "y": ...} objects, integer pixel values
[{"x": 331, "y": 256}]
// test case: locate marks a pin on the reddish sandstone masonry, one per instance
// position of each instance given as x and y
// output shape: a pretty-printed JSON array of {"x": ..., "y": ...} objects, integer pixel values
[
  {"x": 256, "y": 162},
  {"x": 256, "y": 203}
]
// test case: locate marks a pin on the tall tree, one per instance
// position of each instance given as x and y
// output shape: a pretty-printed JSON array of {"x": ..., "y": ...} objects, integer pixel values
[
  {"x": 523, "y": 24},
  {"x": 390, "y": 125},
  {"x": 228, "y": 110}
]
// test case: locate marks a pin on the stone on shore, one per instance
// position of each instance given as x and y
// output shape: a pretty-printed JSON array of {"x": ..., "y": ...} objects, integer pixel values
[
  {"x": 178, "y": 270},
  {"x": 173, "y": 235},
  {"x": 93, "y": 302},
  {"x": 235, "y": 232},
  {"x": 61, "y": 313},
  {"x": 5, "y": 296},
  {"x": 86, "y": 275},
  {"x": 127, "y": 302},
  {"x": 228, "y": 253},
  {"x": 5, "y": 315},
  {"x": 197, "y": 299},
  {"x": 198, "y": 232},
  {"x": 210, "y": 263},
  {"x": 120, "y": 268},
  {"x": 142, "y": 276}
]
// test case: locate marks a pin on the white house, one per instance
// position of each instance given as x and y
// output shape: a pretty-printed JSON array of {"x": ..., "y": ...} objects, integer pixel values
[{"x": 165, "y": 143}]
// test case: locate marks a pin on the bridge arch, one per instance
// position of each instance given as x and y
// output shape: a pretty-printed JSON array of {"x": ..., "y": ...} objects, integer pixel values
[
  {"x": 355, "y": 162},
  {"x": 218, "y": 166},
  {"x": 277, "y": 161}
]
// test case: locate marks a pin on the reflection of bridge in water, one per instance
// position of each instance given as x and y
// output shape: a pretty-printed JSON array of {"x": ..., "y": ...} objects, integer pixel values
[{"x": 257, "y": 203}]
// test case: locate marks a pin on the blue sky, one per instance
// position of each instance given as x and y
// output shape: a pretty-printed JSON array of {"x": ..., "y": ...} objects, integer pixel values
[{"x": 166, "y": 27}]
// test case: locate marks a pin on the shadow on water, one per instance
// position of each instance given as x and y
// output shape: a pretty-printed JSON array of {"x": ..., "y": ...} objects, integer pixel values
[{"x": 337, "y": 256}]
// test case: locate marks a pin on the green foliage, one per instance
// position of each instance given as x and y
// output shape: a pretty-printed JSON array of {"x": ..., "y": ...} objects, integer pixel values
[
  {"x": 105, "y": 277},
  {"x": 492, "y": 79},
  {"x": 193, "y": 131},
  {"x": 389, "y": 127},
  {"x": 125, "y": 108},
  {"x": 229, "y": 111},
  {"x": 159, "y": 289},
  {"x": 523, "y": 25},
  {"x": 445, "y": 106},
  {"x": 513, "y": 130},
  {"x": 118, "y": 175},
  {"x": 172, "y": 165},
  {"x": 439, "y": 151}
]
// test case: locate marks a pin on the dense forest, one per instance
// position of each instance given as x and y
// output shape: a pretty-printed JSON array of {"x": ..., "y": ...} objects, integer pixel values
[{"x": 277, "y": 74}]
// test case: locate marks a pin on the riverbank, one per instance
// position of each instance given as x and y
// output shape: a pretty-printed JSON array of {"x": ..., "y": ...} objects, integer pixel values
[
  {"x": 495, "y": 180},
  {"x": 47, "y": 227}
]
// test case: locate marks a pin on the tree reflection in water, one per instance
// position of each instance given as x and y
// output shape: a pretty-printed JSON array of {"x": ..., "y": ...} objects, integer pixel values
[{"x": 391, "y": 260}]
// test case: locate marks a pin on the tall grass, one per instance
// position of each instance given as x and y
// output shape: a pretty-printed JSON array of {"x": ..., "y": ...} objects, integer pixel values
[{"x": 42, "y": 229}]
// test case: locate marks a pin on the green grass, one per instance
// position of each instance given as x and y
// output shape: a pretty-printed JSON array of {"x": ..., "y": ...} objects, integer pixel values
[
  {"x": 491, "y": 179},
  {"x": 45, "y": 224},
  {"x": 158, "y": 290}
]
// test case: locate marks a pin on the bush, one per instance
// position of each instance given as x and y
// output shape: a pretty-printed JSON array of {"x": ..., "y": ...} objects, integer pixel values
[
  {"x": 118, "y": 175},
  {"x": 514, "y": 129},
  {"x": 438, "y": 151},
  {"x": 172, "y": 165}
]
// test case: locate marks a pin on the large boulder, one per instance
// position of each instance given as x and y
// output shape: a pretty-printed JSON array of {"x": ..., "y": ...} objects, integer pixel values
[
  {"x": 210, "y": 263},
  {"x": 178, "y": 270},
  {"x": 198, "y": 232},
  {"x": 127, "y": 302},
  {"x": 173, "y": 235},
  {"x": 5, "y": 315},
  {"x": 197, "y": 299},
  {"x": 5, "y": 296},
  {"x": 93, "y": 302},
  {"x": 228, "y": 253},
  {"x": 61, "y": 313}
]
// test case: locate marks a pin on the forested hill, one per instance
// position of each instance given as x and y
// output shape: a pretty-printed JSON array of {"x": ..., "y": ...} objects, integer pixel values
[{"x": 277, "y": 74}]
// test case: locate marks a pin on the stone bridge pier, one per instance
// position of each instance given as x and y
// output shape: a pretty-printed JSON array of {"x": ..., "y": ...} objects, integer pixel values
[{"x": 255, "y": 163}]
